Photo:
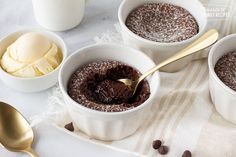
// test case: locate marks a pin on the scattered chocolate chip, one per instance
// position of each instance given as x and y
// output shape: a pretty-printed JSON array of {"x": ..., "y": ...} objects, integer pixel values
[
  {"x": 69, "y": 126},
  {"x": 156, "y": 144},
  {"x": 163, "y": 150},
  {"x": 187, "y": 153}
]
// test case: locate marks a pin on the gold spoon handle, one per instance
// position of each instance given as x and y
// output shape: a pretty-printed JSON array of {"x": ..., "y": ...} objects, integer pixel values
[
  {"x": 31, "y": 152},
  {"x": 209, "y": 38}
]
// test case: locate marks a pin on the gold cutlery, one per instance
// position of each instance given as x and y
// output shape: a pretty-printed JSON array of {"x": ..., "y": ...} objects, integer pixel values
[
  {"x": 206, "y": 40},
  {"x": 15, "y": 132}
]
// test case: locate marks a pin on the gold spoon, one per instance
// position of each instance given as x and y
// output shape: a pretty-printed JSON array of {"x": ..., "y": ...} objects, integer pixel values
[
  {"x": 15, "y": 132},
  {"x": 206, "y": 40}
]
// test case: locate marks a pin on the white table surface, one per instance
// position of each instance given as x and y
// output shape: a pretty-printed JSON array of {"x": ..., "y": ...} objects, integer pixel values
[{"x": 100, "y": 16}]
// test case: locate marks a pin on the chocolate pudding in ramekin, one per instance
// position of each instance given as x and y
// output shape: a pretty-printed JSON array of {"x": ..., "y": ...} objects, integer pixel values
[
  {"x": 96, "y": 114},
  {"x": 222, "y": 77},
  {"x": 162, "y": 28}
]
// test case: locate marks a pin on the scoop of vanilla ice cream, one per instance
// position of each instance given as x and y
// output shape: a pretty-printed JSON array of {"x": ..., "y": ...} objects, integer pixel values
[{"x": 31, "y": 55}]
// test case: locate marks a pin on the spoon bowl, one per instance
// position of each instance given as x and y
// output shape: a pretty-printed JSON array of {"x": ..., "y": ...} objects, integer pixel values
[
  {"x": 15, "y": 132},
  {"x": 206, "y": 40}
]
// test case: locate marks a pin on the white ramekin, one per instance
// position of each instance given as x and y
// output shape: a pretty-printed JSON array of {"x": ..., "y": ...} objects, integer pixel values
[
  {"x": 156, "y": 50},
  {"x": 37, "y": 83},
  {"x": 222, "y": 96},
  {"x": 105, "y": 125}
]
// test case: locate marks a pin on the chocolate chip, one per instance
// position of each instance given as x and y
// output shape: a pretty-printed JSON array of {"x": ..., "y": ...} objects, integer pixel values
[
  {"x": 163, "y": 150},
  {"x": 156, "y": 144},
  {"x": 187, "y": 153},
  {"x": 69, "y": 126}
]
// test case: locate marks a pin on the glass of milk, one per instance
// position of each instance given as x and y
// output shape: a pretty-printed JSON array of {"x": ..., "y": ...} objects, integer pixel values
[{"x": 58, "y": 15}]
